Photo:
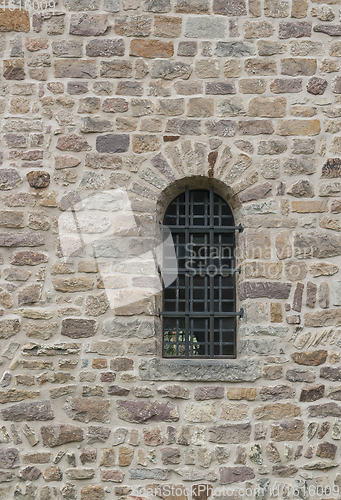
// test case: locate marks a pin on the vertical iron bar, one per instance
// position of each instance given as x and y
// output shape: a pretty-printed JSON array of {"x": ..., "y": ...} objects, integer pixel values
[
  {"x": 211, "y": 277},
  {"x": 187, "y": 283}
]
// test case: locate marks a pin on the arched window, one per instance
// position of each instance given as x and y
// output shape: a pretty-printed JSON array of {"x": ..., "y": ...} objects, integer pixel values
[{"x": 199, "y": 306}]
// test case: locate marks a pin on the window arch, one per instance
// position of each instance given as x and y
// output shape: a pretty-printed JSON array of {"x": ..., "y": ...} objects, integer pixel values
[{"x": 199, "y": 306}]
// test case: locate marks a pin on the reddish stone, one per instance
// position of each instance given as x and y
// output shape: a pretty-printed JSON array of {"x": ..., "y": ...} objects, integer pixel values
[
  {"x": 28, "y": 258},
  {"x": 230, "y": 475},
  {"x": 297, "y": 300},
  {"x": 313, "y": 358},
  {"x": 65, "y": 162},
  {"x": 73, "y": 142},
  {"x": 152, "y": 437},
  {"x": 289, "y": 430},
  {"x": 151, "y": 48},
  {"x": 88, "y": 409},
  {"x": 323, "y": 430},
  {"x": 108, "y": 376},
  {"x": 116, "y": 390},
  {"x": 326, "y": 450},
  {"x": 140, "y": 411},
  {"x": 312, "y": 393},
  {"x": 258, "y": 289},
  {"x": 79, "y": 328},
  {"x": 53, "y": 473},
  {"x": 58, "y": 434},
  {"x": 30, "y": 473},
  {"x": 284, "y": 470},
  {"x": 115, "y": 476},
  {"x": 14, "y": 69}
]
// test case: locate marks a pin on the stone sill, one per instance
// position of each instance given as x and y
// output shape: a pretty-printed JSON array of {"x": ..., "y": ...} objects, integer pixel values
[{"x": 204, "y": 370}]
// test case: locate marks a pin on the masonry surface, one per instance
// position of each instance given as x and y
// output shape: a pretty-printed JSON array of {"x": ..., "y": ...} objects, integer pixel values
[{"x": 108, "y": 108}]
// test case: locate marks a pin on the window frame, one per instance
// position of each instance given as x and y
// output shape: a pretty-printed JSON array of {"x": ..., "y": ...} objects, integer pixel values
[{"x": 211, "y": 230}]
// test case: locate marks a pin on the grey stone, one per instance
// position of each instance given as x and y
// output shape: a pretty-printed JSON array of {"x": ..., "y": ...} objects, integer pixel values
[
  {"x": 330, "y": 373},
  {"x": 328, "y": 29},
  {"x": 159, "y": 6},
  {"x": 199, "y": 370},
  {"x": 230, "y": 433},
  {"x": 9, "y": 459},
  {"x": 297, "y": 375},
  {"x": 230, "y": 475},
  {"x": 273, "y": 331},
  {"x": 229, "y": 8},
  {"x": 301, "y": 189},
  {"x": 272, "y": 147},
  {"x": 234, "y": 49},
  {"x": 95, "y": 124},
  {"x": 116, "y": 69},
  {"x": 82, "y": 5},
  {"x": 133, "y": 25},
  {"x": 192, "y": 6},
  {"x": 79, "y": 68},
  {"x": 303, "y": 146},
  {"x": 286, "y": 85},
  {"x": 315, "y": 245},
  {"x": 275, "y": 393},
  {"x": 112, "y": 143},
  {"x": 88, "y": 24},
  {"x": 111, "y": 5},
  {"x": 183, "y": 127},
  {"x": 220, "y": 88},
  {"x": 169, "y": 70},
  {"x": 299, "y": 166},
  {"x": 187, "y": 49},
  {"x": 68, "y": 48},
  {"x": 9, "y": 327},
  {"x": 221, "y": 128},
  {"x": 205, "y": 27},
  {"x": 9, "y": 179},
  {"x": 105, "y": 47},
  {"x": 156, "y": 474},
  {"x": 142, "y": 329},
  {"x": 263, "y": 347},
  {"x": 296, "y": 29}
]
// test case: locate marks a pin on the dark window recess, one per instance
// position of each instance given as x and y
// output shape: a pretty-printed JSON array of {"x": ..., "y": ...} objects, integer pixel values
[{"x": 199, "y": 306}]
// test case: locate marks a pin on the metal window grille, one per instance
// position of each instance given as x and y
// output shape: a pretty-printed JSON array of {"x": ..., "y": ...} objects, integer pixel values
[{"x": 199, "y": 307}]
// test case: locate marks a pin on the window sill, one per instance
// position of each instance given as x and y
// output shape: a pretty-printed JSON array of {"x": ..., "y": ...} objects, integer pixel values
[{"x": 205, "y": 370}]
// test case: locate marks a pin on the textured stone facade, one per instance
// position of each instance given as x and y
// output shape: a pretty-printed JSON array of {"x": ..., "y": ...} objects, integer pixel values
[{"x": 108, "y": 108}]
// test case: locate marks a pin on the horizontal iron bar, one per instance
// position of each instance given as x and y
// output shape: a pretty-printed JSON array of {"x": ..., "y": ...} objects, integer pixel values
[
  {"x": 219, "y": 229},
  {"x": 201, "y": 270},
  {"x": 170, "y": 314}
]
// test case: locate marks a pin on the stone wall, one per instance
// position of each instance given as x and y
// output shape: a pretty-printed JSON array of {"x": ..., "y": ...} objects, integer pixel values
[{"x": 108, "y": 109}]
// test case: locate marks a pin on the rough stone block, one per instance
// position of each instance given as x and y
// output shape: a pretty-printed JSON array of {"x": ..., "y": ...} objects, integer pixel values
[
  {"x": 235, "y": 8},
  {"x": 205, "y": 27},
  {"x": 14, "y": 20},
  {"x": 151, "y": 48}
]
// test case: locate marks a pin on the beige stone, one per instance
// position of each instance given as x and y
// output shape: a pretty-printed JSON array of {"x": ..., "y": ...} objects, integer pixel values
[
  {"x": 267, "y": 107},
  {"x": 234, "y": 411}
]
